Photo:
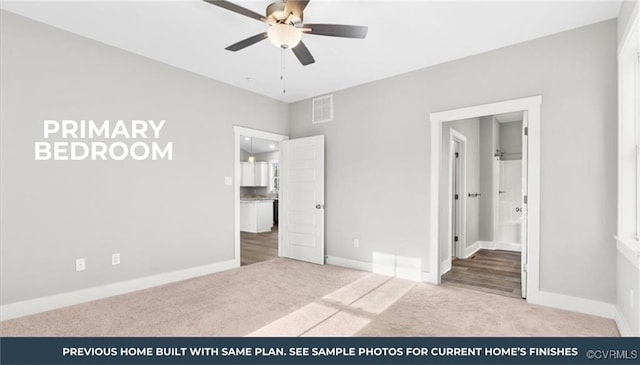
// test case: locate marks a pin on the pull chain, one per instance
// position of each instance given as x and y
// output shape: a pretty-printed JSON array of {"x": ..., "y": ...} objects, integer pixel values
[{"x": 282, "y": 71}]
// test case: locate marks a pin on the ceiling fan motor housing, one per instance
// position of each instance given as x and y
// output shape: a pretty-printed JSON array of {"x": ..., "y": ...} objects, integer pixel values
[{"x": 276, "y": 14}]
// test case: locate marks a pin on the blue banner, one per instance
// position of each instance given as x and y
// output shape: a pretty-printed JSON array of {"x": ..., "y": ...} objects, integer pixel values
[{"x": 355, "y": 350}]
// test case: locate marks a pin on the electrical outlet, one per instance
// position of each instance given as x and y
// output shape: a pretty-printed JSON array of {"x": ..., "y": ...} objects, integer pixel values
[
  {"x": 115, "y": 259},
  {"x": 228, "y": 180},
  {"x": 81, "y": 264},
  {"x": 356, "y": 243}
]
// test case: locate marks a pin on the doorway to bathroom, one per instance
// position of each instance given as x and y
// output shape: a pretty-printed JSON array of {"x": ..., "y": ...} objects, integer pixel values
[
  {"x": 499, "y": 251},
  {"x": 486, "y": 204}
]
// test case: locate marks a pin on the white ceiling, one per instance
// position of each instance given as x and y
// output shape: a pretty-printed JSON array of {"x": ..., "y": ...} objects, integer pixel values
[
  {"x": 403, "y": 36},
  {"x": 258, "y": 145}
]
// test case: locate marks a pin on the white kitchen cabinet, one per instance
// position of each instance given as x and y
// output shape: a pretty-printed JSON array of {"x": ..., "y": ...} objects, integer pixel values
[
  {"x": 256, "y": 216},
  {"x": 247, "y": 176},
  {"x": 254, "y": 174},
  {"x": 261, "y": 173}
]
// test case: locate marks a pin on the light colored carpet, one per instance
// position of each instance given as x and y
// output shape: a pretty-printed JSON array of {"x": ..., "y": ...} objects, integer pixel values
[{"x": 289, "y": 298}]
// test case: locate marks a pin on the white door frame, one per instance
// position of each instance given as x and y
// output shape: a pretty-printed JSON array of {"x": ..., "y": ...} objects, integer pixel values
[
  {"x": 495, "y": 185},
  {"x": 532, "y": 106},
  {"x": 249, "y": 132},
  {"x": 456, "y": 136}
]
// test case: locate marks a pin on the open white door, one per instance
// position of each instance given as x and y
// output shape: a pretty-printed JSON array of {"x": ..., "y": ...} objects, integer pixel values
[
  {"x": 302, "y": 199},
  {"x": 525, "y": 208}
]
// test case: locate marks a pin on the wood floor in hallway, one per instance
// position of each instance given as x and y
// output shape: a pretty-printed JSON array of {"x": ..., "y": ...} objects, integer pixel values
[
  {"x": 257, "y": 247},
  {"x": 490, "y": 271}
]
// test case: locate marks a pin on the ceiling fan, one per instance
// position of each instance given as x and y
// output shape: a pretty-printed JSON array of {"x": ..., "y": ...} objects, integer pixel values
[{"x": 286, "y": 27}]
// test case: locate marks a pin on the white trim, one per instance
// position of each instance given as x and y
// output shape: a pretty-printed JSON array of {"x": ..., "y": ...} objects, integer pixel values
[
  {"x": 429, "y": 277},
  {"x": 248, "y": 132},
  {"x": 507, "y": 246},
  {"x": 623, "y": 325},
  {"x": 488, "y": 245},
  {"x": 532, "y": 106},
  {"x": 628, "y": 215},
  {"x": 627, "y": 99},
  {"x": 627, "y": 33},
  {"x": 478, "y": 245},
  {"x": 630, "y": 249},
  {"x": 368, "y": 267},
  {"x": 574, "y": 304},
  {"x": 445, "y": 265},
  {"x": 456, "y": 136},
  {"x": 37, "y": 305},
  {"x": 349, "y": 263},
  {"x": 495, "y": 184}
]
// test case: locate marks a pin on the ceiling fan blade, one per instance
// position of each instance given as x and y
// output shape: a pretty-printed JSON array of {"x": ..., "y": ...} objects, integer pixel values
[
  {"x": 236, "y": 9},
  {"x": 337, "y": 30},
  {"x": 296, "y": 7},
  {"x": 247, "y": 42},
  {"x": 302, "y": 53}
]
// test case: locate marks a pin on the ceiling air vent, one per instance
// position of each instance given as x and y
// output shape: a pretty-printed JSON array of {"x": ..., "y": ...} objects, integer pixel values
[{"x": 322, "y": 109}]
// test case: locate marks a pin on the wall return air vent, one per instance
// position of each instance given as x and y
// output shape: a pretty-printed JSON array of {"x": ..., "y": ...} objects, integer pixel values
[{"x": 322, "y": 109}]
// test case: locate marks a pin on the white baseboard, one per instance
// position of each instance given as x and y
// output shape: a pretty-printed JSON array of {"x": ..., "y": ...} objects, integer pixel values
[
  {"x": 349, "y": 263},
  {"x": 445, "y": 266},
  {"x": 32, "y": 306},
  {"x": 488, "y": 245},
  {"x": 430, "y": 277},
  {"x": 629, "y": 249},
  {"x": 368, "y": 266},
  {"x": 469, "y": 251},
  {"x": 623, "y": 325},
  {"x": 517, "y": 247},
  {"x": 574, "y": 304}
]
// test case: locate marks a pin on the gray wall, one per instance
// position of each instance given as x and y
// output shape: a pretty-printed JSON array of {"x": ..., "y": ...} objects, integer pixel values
[
  {"x": 159, "y": 215},
  {"x": 378, "y": 163},
  {"x": 470, "y": 128},
  {"x": 489, "y": 143},
  {"x": 511, "y": 138}
]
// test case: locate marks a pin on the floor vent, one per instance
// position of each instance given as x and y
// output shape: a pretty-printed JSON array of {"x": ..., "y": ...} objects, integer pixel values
[{"x": 322, "y": 109}]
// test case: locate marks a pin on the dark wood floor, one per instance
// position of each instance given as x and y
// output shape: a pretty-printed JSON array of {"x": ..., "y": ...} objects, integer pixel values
[
  {"x": 256, "y": 247},
  {"x": 491, "y": 271}
]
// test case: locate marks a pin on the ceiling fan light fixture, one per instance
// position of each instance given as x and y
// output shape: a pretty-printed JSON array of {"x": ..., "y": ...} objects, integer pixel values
[{"x": 284, "y": 35}]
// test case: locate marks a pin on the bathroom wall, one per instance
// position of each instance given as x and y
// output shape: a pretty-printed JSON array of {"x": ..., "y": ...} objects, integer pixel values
[
  {"x": 511, "y": 140},
  {"x": 489, "y": 143}
]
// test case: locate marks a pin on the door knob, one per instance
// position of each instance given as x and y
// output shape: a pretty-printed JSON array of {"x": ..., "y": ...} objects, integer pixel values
[{"x": 318, "y": 206}]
